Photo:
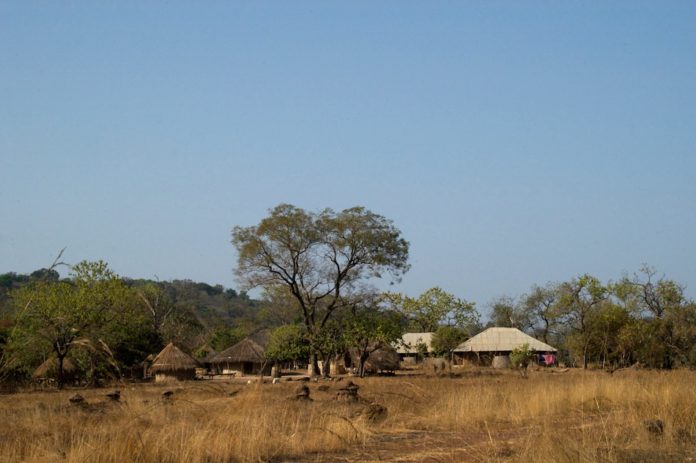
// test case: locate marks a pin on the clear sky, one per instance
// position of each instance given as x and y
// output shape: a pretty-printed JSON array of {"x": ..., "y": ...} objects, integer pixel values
[{"x": 513, "y": 143}]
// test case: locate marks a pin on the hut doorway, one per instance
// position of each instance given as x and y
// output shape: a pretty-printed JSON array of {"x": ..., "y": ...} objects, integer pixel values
[
  {"x": 347, "y": 360},
  {"x": 247, "y": 368}
]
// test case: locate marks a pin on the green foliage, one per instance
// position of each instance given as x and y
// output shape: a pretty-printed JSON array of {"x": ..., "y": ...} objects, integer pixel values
[
  {"x": 320, "y": 259},
  {"x": 521, "y": 356},
  {"x": 331, "y": 340},
  {"x": 223, "y": 337},
  {"x": 638, "y": 342},
  {"x": 421, "y": 350},
  {"x": 505, "y": 312},
  {"x": 106, "y": 324},
  {"x": 279, "y": 307},
  {"x": 287, "y": 343},
  {"x": 84, "y": 314},
  {"x": 153, "y": 313},
  {"x": 368, "y": 329},
  {"x": 540, "y": 309},
  {"x": 434, "y": 307},
  {"x": 578, "y": 301},
  {"x": 446, "y": 339}
]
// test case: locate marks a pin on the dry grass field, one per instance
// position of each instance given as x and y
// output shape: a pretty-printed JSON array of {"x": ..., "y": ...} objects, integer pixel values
[{"x": 478, "y": 415}]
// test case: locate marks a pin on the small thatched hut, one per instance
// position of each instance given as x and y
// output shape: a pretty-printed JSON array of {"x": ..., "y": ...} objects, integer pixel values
[
  {"x": 49, "y": 369},
  {"x": 247, "y": 357},
  {"x": 384, "y": 359},
  {"x": 172, "y": 364}
]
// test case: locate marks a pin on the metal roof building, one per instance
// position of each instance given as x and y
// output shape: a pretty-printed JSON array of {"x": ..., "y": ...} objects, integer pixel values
[
  {"x": 410, "y": 341},
  {"x": 501, "y": 340}
]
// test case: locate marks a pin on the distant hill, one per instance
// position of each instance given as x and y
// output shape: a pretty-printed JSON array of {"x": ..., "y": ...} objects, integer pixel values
[{"x": 212, "y": 305}]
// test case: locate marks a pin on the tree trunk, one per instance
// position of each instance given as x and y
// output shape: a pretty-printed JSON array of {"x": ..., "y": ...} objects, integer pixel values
[
  {"x": 61, "y": 374},
  {"x": 361, "y": 368},
  {"x": 326, "y": 364},
  {"x": 313, "y": 369},
  {"x": 584, "y": 359}
]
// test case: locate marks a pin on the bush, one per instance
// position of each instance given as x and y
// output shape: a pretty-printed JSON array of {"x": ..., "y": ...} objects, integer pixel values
[{"x": 520, "y": 357}]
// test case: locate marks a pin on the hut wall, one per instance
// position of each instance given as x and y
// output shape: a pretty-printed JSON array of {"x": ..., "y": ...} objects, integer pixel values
[
  {"x": 244, "y": 368},
  {"x": 473, "y": 358},
  {"x": 336, "y": 367},
  {"x": 501, "y": 361},
  {"x": 179, "y": 375}
]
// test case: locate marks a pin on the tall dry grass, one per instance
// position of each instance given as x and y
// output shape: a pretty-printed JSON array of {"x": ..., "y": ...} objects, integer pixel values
[{"x": 481, "y": 415}]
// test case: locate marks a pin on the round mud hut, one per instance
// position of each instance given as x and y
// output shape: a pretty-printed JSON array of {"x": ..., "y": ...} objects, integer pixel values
[{"x": 172, "y": 364}]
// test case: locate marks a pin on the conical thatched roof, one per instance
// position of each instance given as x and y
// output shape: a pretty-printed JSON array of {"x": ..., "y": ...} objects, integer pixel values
[
  {"x": 502, "y": 340},
  {"x": 173, "y": 359},
  {"x": 246, "y": 350},
  {"x": 384, "y": 358},
  {"x": 49, "y": 368}
]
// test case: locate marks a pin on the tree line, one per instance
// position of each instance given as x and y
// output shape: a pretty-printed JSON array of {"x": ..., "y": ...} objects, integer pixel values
[
  {"x": 317, "y": 273},
  {"x": 322, "y": 264},
  {"x": 107, "y": 324},
  {"x": 644, "y": 318}
]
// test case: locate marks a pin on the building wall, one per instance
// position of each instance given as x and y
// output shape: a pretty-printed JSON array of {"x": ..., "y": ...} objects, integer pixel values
[
  {"x": 243, "y": 368},
  {"x": 180, "y": 375}
]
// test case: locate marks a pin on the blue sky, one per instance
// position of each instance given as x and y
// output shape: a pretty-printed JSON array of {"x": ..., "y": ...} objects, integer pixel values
[{"x": 513, "y": 143}]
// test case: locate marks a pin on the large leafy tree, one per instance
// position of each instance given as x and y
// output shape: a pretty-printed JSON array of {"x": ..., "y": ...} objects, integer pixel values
[
  {"x": 446, "y": 339},
  {"x": 172, "y": 322},
  {"x": 506, "y": 312},
  {"x": 278, "y": 307},
  {"x": 539, "y": 306},
  {"x": 91, "y": 313},
  {"x": 287, "y": 343},
  {"x": 605, "y": 325},
  {"x": 433, "y": 308},
  {"x": 223, "y": 337},
  {"x": 579, "y": 300},
  {"x": 368, "y": 329},
  {"x": 662, "y": 304},
  {"x": 650, "y": 295},
  {"x": 322, "y": 259}
]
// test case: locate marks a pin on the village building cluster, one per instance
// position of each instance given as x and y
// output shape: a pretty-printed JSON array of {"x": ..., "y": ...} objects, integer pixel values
[{"x": 491, "y": 347}]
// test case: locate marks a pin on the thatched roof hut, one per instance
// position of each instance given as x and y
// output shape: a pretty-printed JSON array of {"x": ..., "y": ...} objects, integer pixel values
[
  {"x": 173, "y": 364},
  {"x": 49, "y": 369},
  {"x": 246, "y": 357},
  {"x": 383, "y": 359}
]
